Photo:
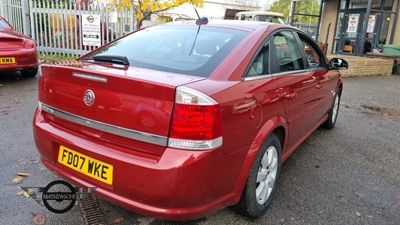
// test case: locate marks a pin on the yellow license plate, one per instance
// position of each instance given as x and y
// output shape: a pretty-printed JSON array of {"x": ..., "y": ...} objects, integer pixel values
[
  {"x": 84, "y": 164},
  {"x": 7, "y": 60}
]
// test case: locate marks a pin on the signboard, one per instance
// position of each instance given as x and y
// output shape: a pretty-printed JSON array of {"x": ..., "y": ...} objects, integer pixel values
[
  {"x": 91, "y": 35},
  {"x": 353, "y": 23},
  {"x": 363, "y": 4},
  {"x": 371, "y": 23}
]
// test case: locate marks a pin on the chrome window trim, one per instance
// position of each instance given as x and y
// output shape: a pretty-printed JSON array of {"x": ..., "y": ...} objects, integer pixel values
[
  {"x": 258, "y": 77},
  {"x": 112, "y": 129},
  {"x": 90, "y": 77},
  {"x": 293, "y": 72}
]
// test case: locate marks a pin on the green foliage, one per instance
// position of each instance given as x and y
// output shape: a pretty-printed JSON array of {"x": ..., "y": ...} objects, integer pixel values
[
  {"x": 310, "y": 7},
  {"x": 145, "y": 8},
  {"x": 282, "y": 6},
  {"x": 55, "y": 57}
]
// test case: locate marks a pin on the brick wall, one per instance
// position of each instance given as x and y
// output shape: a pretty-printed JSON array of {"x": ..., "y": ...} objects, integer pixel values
[{"x": 365, "y": 66}]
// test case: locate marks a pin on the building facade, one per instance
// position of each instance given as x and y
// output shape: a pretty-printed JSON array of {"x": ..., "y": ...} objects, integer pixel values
[{"x": 356, "y": 27}]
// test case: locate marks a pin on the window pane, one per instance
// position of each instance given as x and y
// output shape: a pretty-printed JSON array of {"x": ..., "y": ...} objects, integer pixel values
[
  {"x": 311, "y": 55},
  {"x": 362, "y": 4},
  {"x": 287, "y": 52},
  {"x": 3, "y": 24},
  {"x": 388, "y": 3},
  {"x": 343, "y": 4},
  {"x": 191, "y": 50},
  {"x": 260, "y": 65}
]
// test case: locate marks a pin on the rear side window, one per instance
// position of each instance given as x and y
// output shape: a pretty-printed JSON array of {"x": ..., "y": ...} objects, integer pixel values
[
  {"x": 260, "y": 65},
  {"x": 287, "y": 52},
  {"x": 192, "y": 50}
]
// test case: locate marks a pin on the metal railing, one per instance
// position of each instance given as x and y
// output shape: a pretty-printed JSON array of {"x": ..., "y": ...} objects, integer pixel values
[
  {"x": 57, "y": 27},
  {"x": 12, "y": 11}
]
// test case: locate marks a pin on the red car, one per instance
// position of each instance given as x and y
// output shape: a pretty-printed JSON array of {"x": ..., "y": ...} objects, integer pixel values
[
  {"x": 179, "y": 120},
  {"x": 17, "y": 51}
]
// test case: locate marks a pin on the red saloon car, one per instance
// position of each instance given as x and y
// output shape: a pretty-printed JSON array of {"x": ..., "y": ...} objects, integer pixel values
[
  {"x": 179, "y": 120},
  {"x": 17, "y": 51}
]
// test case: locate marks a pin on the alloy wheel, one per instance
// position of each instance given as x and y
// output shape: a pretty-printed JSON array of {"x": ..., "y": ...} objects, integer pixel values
[{"x": 266, "y": 175}]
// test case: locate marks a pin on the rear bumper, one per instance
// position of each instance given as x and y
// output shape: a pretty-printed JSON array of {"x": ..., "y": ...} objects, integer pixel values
[
  {"x": 24, "y": 59},
  {"x": 179, "y": 185}
]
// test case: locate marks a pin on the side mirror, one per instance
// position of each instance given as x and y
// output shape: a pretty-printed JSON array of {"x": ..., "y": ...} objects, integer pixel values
[{"x": 338, "y": 63}]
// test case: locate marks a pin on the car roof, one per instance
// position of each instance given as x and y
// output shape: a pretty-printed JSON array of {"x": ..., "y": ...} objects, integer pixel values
[
  {"x": 260, "y": 13},
  {"x": 233, "y": 24}
]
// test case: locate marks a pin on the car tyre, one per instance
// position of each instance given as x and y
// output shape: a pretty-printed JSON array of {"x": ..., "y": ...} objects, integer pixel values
[
  {"x": 262, "y": 182},
  {"x": 333, "y": 112},
  {"x": 29, "y": 72}
]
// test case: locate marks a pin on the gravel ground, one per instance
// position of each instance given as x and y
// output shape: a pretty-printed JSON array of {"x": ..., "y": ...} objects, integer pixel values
[{"x": 348, "y": 175}]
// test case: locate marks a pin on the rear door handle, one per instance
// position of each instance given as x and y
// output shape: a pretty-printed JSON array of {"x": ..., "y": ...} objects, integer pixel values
[
  {"x": 318, "y": 86},
  {"x": 290, "y": 96}
]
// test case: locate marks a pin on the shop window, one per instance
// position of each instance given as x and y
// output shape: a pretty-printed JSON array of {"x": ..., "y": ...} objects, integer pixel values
[
  {"x": 362, "y": 4},
  {"x": 388, "y": 3},
  {"x": 343, "y": 4}
]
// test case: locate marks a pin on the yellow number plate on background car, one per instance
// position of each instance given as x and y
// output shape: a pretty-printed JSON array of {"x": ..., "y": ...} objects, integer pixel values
[
  {"x": 84, "y": 164},
  {"x": 7, "y": 60}
]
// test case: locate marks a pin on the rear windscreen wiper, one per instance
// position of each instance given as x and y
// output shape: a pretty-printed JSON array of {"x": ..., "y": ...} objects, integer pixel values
[{"x": 112, "y": 59}]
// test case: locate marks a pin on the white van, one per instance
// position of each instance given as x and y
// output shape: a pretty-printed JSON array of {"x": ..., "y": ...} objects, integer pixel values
[{"x": 272, "y": 17}]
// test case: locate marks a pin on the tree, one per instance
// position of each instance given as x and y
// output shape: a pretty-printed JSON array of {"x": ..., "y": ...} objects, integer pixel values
[
  {"x": 145, "y": 8},
  {"x": 310, "y": 7},
  {"x": 244, "y": 4},
  {"x": 282, "y": 6}
]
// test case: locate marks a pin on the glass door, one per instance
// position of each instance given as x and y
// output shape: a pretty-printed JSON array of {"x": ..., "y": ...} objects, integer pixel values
[
  {"x": 351, "y": 38},
  {"x": 372, "y": 33},
  {"x": 352, "y": 32}
]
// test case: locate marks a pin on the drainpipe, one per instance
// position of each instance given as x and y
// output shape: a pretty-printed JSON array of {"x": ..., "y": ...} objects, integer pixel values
[{"x": 326, "y": 39}]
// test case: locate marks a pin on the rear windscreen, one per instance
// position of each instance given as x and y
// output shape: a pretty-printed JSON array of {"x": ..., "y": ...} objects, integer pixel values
[
  {"x": 192, "y": 50},
  {"x": 3, "y": 24}
]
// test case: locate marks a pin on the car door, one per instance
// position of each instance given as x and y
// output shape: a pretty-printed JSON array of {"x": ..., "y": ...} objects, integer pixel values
[
  {"x": 254, "y": 100},
  {"x": 326, "y": 80},
  {"x": 296, "y": 83}
]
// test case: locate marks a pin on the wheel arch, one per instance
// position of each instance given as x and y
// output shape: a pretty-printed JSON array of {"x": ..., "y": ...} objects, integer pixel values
[
  {"x": 276, "y": 125},
  {"x": 340, "y": 86},
  {"x": 280, "y": 132}
]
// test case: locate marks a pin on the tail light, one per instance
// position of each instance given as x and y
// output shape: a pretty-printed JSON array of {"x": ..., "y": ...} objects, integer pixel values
[
  {"x": 29, "y": 43},
  {"x": 196, "y": 121}
]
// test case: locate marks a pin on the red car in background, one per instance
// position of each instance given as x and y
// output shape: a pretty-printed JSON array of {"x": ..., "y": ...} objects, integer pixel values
[
  {"x": 17, "y": 51},
  {"x": 176, "y": 121}
]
